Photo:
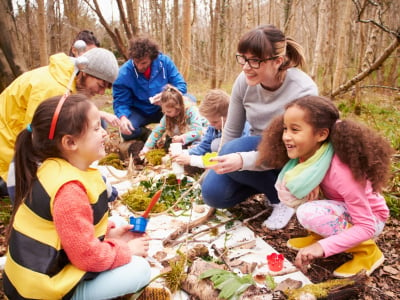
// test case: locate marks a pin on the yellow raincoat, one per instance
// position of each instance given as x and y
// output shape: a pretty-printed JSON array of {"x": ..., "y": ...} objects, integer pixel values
[{"x": 20, "y": 99}]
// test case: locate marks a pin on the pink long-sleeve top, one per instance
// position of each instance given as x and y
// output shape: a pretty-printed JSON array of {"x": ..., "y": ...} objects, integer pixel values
[
  {"x": 73, "y": 219},
  {"x": 362, "y": 205}
]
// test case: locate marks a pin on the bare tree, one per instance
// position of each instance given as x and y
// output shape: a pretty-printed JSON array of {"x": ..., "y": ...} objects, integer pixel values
[
  {"x": 361, "y": 9},
  {"x": 214, "y": 14},
  {"x": 42, "y": 33},
  {"x": 341, "y": 50},
  {"x": 12, "y": 63},
  {"x": 186, "y": 38}
]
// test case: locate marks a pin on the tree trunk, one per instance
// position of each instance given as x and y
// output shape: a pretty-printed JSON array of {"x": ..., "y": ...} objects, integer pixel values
[
  {"x": 320, "y": 38},
  {"x": 42, "y": 33},
  {"x": 132, "y": 7},
  {"x": 124, "y": 20},
  {"x": 215, "y": 13},
  {"x": 249, "y": 15},
  {"x": 186, "y": 38},
  {"x": 12, "y": 62}
]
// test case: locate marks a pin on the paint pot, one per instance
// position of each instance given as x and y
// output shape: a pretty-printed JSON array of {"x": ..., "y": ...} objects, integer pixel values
[
  {"x": 275, "y": 262},
  {"x": 139, "y": 224}
]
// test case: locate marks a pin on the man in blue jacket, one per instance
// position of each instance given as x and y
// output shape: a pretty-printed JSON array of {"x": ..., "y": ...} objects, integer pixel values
[{"x": 139, "y": 85}]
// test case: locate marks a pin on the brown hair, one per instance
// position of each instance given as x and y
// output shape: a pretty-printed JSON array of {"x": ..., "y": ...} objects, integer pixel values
[
  {"x": 367, "y": 153},
  {"x": 86, "y": 36},
  {"x": 171, "y": 97},
  {"x": 268, "y": 41},
  {"x": 72, "y": 120},
  {"x": 215, "y": 103},
  {"x": 143, "y": 47}
]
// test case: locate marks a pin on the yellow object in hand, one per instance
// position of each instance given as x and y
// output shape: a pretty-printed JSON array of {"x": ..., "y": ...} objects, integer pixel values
[{"x": 207, "y": 157}]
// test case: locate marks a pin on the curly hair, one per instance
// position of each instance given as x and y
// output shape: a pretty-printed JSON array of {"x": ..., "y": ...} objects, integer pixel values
[
  {"x": 363, "y": 150},
  {"x": 171, "y": 97},
  {"x": 143, "y": 47}
]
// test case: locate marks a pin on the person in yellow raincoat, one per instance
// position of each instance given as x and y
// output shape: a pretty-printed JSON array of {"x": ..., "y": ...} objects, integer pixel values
[{"x": 19, "y": 100}]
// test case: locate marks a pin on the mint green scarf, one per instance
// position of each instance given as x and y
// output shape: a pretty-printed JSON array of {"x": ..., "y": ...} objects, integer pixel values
[{"x": 302, "y": 178}]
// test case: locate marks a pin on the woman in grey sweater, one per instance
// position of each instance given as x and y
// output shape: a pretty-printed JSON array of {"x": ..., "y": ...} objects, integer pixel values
[{"x": 270, "y": 79}]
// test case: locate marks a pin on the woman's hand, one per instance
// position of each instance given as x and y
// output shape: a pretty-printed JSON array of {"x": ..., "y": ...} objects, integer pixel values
[
  {"x": 182, "y": 159},
  {"x": 126, "y": 126},
  {"x": 308, "y": 254},
  {"x": 227, "y": 163}
]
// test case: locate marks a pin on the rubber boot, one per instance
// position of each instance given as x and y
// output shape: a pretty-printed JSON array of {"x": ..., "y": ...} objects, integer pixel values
[
  {"x": 302, "y": 242},
  {"x": 366, "y": 256}
]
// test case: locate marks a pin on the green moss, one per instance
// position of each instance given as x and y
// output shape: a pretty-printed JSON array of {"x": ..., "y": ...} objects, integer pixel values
[
  {"x": 112, "y": 159},
  {"x": 319, "y": 290},
  {"x": 138, "y": 199},
  {"x": 154, "y": 156}
]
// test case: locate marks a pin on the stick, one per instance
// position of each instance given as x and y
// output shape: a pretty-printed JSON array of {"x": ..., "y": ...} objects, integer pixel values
[{"x": 188, "y": 226}]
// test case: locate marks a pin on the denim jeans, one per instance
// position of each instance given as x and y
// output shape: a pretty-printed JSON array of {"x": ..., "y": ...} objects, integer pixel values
[
  {"x": 139, "y": 120},
  {"x": 126, "y": 279},
  {"x": 227, "y": 190}
]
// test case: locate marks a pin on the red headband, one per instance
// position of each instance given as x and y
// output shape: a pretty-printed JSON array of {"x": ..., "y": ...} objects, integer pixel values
[{"x": 55, "y": 116}]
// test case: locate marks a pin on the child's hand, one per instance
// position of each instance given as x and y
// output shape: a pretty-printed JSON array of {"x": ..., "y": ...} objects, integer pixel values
[
  {"x": 306, "y": 255},
  {"x": 144, "y": 151},
  {"x": 178, "y": 139},
  {"x": 182, "y": 159},
  {"x": 140, "y": 245}
]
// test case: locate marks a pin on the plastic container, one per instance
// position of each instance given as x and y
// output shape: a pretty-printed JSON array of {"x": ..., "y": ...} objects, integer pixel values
[
  {"x": 139, "y": 224},
  {"x": 206, "y": 159},
  {"x": 275, "y": 262},
  {"x": 177, "y": 169}
]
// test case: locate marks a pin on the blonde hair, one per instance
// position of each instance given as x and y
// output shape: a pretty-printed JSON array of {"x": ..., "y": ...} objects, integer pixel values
[
  {"x": 171, "y": 97},
  {"x": 215, "y": 103}
]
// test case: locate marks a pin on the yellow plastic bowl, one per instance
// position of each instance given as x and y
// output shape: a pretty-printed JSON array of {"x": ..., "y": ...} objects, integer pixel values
[{"x": 206, "y": 159}]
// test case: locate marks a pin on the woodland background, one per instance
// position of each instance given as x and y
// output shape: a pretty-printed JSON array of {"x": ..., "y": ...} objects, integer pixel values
[{"x": 350, "y": 45}]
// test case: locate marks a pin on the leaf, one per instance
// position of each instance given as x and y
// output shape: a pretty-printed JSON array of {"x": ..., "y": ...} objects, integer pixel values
[{"x": 230, "y": 284}]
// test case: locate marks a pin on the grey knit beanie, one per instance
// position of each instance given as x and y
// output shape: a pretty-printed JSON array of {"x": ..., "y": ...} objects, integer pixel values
[{"x": 101, "y": 64}]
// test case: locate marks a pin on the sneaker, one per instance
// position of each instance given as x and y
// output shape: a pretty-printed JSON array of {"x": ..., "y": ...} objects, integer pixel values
[{"x": 280, "y": 216}]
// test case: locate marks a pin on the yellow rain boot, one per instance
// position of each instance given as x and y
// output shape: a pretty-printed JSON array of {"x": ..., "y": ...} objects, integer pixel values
[
  {"x": 302, "y": 242},
  {"x": 366, "y": 256}
]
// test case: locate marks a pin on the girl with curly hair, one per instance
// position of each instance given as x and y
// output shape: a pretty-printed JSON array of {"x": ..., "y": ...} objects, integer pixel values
[
  {"x": 333, "y": 171},
  {"x": 181, "y": 122}
]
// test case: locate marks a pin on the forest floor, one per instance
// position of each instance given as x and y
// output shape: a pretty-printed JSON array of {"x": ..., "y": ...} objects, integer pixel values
[{"x": 383, "y": 284}]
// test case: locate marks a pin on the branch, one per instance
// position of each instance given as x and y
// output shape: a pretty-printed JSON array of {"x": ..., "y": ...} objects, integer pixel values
[
  {"x": 360, "y": 76},
  {"x": 361, "y": 9}
]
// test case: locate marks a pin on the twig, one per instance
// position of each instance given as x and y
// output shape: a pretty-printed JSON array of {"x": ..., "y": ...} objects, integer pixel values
[
  {"x": 246, "y": 221},
  {"x": 188, "y": 226},
  {"x": 221, "y": 256}
]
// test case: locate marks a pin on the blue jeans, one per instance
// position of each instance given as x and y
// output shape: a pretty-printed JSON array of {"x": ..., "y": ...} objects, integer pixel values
[
  {"x": 227, "y": 190},
  {"x": 138, "y": 120},
  {"x": 126, "y": 279}
]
